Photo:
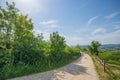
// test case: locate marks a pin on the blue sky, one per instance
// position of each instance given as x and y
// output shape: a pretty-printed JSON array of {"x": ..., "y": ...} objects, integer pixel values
[{"x": 79, "y": 21}]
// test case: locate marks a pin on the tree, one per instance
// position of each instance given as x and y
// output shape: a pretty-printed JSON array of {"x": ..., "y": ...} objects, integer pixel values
[
  {"x": 24, "y": 40},
  {"x": 7, "y": 21},
  {"x": 16, "y": 36},
  {"x": 78, "y": 48},
  {"x": 23, "y": 51},
  {"x": 57, "y": 45},
  {"x": 93, "y": 47}
]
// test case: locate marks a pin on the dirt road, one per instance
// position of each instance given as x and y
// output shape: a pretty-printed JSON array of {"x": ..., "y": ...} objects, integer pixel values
[{"x": 82, "y": 69}]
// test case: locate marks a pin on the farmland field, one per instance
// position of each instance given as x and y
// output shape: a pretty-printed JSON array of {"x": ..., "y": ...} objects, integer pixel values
[{"x": 112, "y": 59}]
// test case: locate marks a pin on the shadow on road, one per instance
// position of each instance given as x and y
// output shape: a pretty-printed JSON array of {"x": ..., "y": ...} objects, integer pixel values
[{"x": 75, "y": 69}]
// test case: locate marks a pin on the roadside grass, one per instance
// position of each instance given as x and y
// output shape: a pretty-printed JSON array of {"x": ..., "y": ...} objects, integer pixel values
[
  {"x": 9, "y": 71},
  {"x": 112, "y": 68},
  {"x": 100, "y": 71},
  {"x": 112, "y": 59},
  {"x": 115, "y": 69}
]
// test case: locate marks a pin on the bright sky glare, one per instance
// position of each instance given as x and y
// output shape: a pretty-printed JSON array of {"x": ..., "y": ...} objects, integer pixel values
[{"x": 79, "y": 21}]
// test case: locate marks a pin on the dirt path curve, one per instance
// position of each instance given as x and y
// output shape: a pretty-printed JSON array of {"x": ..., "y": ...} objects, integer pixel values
[{"x": 81, "y": 69}]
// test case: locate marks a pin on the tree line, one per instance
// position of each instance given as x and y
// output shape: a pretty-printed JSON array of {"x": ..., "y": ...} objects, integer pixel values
[{"x": 22, "y": 52}]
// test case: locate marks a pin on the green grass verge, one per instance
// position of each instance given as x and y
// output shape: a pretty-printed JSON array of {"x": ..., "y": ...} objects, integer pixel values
[
  {"x": 99, "y": 69},
  {"x": 115, "y": 69},
  {"x": 112, "y": 59},
  {"x": 10, "y": 71}
]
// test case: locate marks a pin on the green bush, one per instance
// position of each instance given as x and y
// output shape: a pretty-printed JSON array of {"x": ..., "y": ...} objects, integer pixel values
[{"x": 23, "y": 53}]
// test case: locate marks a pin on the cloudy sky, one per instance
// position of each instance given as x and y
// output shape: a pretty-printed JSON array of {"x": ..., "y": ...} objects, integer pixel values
[{"x": 79, "y": 21}]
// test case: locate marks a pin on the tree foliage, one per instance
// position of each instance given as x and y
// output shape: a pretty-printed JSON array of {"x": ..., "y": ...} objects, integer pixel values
[
  {"x": 57, "y": 44},
  {"x": 94, "y": 47},
  {"x": 24, "y": 52}
]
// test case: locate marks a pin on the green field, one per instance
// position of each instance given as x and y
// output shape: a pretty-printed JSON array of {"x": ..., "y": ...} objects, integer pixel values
[{"x": 112, "y": 60}]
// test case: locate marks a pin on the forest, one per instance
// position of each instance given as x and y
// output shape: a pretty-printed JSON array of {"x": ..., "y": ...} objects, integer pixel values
[{"x": 22, "y": 52}]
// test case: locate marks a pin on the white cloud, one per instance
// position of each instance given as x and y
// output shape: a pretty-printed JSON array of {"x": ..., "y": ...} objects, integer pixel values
[
  {"x": 116, "y": 25},
  {"x": 90, "y": 21},
  {"x": 81, "y": 30},
  {"x": 46, "y": 27},
  {"x": 112, "y": 15},
  {"x": 98, "y": 31},
  {"x": 49, "y": 23},
  {"x": 107, "y": 38},
  {"x": 73, "y": 40},
  {"x": 46, "y": 35},
  {"x": 29, "y": 6},
  {"x": 37, "y": 31},
  {"x": 33, "y": 7},
  {"x": 113, "y": 37}
]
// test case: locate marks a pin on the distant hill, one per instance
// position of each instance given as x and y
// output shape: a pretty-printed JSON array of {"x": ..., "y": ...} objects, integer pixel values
[
  {"x": 110, "y": 46},
  {"x": 106, "y": 46},
  {"x": 84, "y": 46}
]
